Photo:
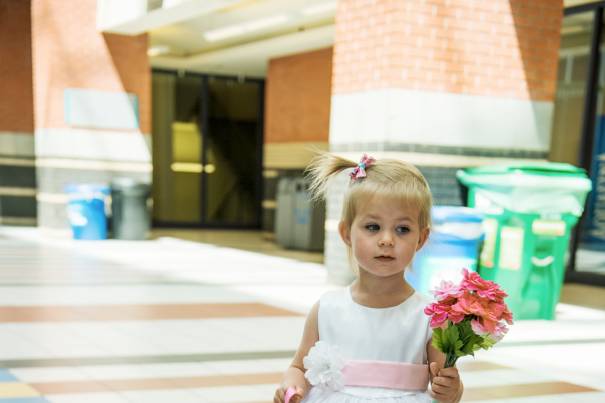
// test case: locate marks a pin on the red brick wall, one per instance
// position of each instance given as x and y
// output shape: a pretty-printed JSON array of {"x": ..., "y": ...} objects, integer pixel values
[
  {"x": 498, "y": 47},
  {"x": 297, "y": 98},
  {"x": 16, "y": 99},
  {"x": 69, "y": 52}
]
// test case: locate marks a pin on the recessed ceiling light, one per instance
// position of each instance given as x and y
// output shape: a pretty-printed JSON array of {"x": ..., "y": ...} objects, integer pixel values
[
  {"x": 158, "y": 50},
  {"x": 245, "y": 27},
  {"x": 319, "y": 8}
]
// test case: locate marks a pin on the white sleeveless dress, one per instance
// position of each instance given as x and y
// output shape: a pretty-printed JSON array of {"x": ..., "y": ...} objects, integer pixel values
[{"x": 394, "y": 334}]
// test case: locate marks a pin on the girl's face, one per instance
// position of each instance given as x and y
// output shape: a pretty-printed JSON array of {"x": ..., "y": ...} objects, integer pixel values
[{"x": 384, "y": 236}]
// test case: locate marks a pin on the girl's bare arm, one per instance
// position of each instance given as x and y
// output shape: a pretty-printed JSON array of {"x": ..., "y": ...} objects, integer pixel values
[{"x": 295, "y": 374}]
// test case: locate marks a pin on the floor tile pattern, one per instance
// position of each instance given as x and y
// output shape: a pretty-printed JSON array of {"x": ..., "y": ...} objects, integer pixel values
[{"x": 175, "y": 320}]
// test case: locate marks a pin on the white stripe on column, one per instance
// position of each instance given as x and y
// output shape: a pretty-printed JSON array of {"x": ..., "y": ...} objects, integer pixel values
[
  {"x": 93, "y": 165},
  {"x": 435, "y": 118},
  {"x": 16, "y": 144},
  {"x": 131, "y": 146}
]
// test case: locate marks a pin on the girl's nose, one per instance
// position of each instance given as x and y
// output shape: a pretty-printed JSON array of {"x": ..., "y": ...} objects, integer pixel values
[{"x": 385, "y": 241}]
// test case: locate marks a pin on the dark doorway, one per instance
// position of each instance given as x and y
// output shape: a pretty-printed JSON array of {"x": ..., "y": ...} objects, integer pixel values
[{"x": 207, "y": 149}]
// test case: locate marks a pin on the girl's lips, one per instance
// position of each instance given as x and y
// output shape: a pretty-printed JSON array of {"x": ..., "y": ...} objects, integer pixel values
[{"x": 384, "y": 258}]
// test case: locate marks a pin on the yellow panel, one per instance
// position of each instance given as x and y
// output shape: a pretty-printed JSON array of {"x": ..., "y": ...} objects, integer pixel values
[
  {"x": 291, "y": 155},
  {"x": 186, "y": 197},
  {"x": 490, "y": 226},
  {"x": 14, "y": 389},
  {"x": 186, "y": 142},
  {"x": 511, "y": 248}
]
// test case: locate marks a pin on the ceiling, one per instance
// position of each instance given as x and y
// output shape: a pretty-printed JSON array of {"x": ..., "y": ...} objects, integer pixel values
[
  {"x": 571, "y": 3},
  {"x": 235, "y": 37}
]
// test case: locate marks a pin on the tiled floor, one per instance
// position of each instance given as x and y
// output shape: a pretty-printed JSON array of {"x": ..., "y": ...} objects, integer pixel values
[
  {"x": 170, "y": 320},
  {"x": 254, "y": 241}
]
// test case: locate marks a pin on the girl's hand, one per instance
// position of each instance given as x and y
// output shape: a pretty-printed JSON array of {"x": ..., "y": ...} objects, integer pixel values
[
  {"x": 282, "y": 391},
  {"x": 445, "y": 386}
]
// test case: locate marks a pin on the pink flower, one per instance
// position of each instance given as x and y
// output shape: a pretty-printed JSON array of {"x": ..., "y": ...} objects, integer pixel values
[
  {"x": 438, "y": 313},
  {"x": 469, "y": 304},
  {"x": 475, "y": 302},
  {"x": 507, "y": 315},
  {"x": 501, "y": 330},
  {"x": 484, "y": 325},
  {"x": 456, "y": 317},
  {"x": 484, "y": 288},
  {"x": 478, "y": 327},
  {"x": 446, "y": 289},
  {"x": 495, "y": 330},
  {"x": 439, "y": 319}
]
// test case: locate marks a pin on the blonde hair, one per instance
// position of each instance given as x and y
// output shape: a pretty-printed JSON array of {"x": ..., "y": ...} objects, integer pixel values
[{"x": 384, "y": 178}]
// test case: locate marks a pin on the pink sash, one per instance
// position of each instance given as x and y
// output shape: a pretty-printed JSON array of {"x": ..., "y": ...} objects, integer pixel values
[{"x": 383, "y": 374}]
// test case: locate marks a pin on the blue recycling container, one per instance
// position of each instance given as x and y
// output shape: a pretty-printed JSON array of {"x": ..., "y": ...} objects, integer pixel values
[
  {"x": 454, "y": 243},
  {"x": 86, "y": 211}
]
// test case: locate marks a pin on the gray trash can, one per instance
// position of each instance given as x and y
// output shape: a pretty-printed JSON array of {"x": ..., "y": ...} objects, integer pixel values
[
  {"x": 309, "y": 218},
  {"x": 284, "y": 235},
  {"x": 299, "y": 221},
  {"x": 130, "y": 214}
]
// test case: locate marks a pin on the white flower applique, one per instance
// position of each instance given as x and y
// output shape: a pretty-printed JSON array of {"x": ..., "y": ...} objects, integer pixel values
[{"x": 324, "y": 365}]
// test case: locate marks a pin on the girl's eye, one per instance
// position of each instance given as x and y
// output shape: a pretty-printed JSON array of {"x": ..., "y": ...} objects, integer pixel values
[
  {"x": 373, "y": 227},
  {"x": 403, "y": 230}
]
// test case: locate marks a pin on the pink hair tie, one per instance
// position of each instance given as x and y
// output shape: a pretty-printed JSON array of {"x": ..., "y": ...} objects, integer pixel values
[
  {"x": 290, "y": 392},
  {"x": 360, "y": 170}
]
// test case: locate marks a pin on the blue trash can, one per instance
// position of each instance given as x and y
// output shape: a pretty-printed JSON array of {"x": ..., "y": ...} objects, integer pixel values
[
  {"x": 454, "y": 243},
  {"x": 86, "y": 211}
]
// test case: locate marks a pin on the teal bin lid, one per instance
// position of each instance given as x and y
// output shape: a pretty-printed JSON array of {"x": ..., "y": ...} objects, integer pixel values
[
  {"x": 529, "y": 168},
  {"x": 530, "y": 187},
  {"x": 445, "y": 214}
]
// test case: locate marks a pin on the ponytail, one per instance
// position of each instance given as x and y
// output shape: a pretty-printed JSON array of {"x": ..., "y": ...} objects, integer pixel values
[
  {"x": 385, "y": 177},
  {"x": 323, "y": 167}
]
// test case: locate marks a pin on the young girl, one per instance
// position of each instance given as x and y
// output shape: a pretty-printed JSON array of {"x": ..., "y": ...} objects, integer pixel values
[{"x": 371, "y": 341}]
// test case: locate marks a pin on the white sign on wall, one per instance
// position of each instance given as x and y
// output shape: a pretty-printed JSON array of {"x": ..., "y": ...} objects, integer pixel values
[{"x": 101, "y": 109}]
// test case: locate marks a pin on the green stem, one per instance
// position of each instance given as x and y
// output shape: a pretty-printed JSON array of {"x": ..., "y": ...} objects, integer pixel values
[{"x": 450, "y": 360}]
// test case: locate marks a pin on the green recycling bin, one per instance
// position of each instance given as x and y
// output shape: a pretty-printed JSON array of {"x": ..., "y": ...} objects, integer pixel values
[{"x": 530, "y": 210}]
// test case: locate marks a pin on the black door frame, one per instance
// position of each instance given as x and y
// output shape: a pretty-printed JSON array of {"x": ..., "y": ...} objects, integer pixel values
[
  {"x": 588, "y": 127},
  {"x": 203, "y": 115}
]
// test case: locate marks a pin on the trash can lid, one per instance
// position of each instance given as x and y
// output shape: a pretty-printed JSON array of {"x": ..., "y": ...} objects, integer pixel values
[
  {"x": 443, "y": 214},
  {"x": 86, "y": 188},
  {"x": 129, "y": 185},
  {"x": 86, "y": 191},
  {"x": 539, "y": 187},
  {"x": 543, "y": 176},
  {"x": 529, "y": 168}
]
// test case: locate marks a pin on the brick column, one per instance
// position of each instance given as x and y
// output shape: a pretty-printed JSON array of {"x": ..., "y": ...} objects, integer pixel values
[
  {"x": 92, "y": 101},
  {"x": 440, "y": 83},
  {"x": 17, "y": 171}
]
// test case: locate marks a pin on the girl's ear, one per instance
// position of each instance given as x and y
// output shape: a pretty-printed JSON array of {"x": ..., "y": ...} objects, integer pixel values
[
  {"x": 345, "y": 232},
  {"x": 424, "y": 236}
]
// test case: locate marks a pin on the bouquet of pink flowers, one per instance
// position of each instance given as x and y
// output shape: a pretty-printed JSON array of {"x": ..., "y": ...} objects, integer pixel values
[{"x": 468, "y": 316}]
